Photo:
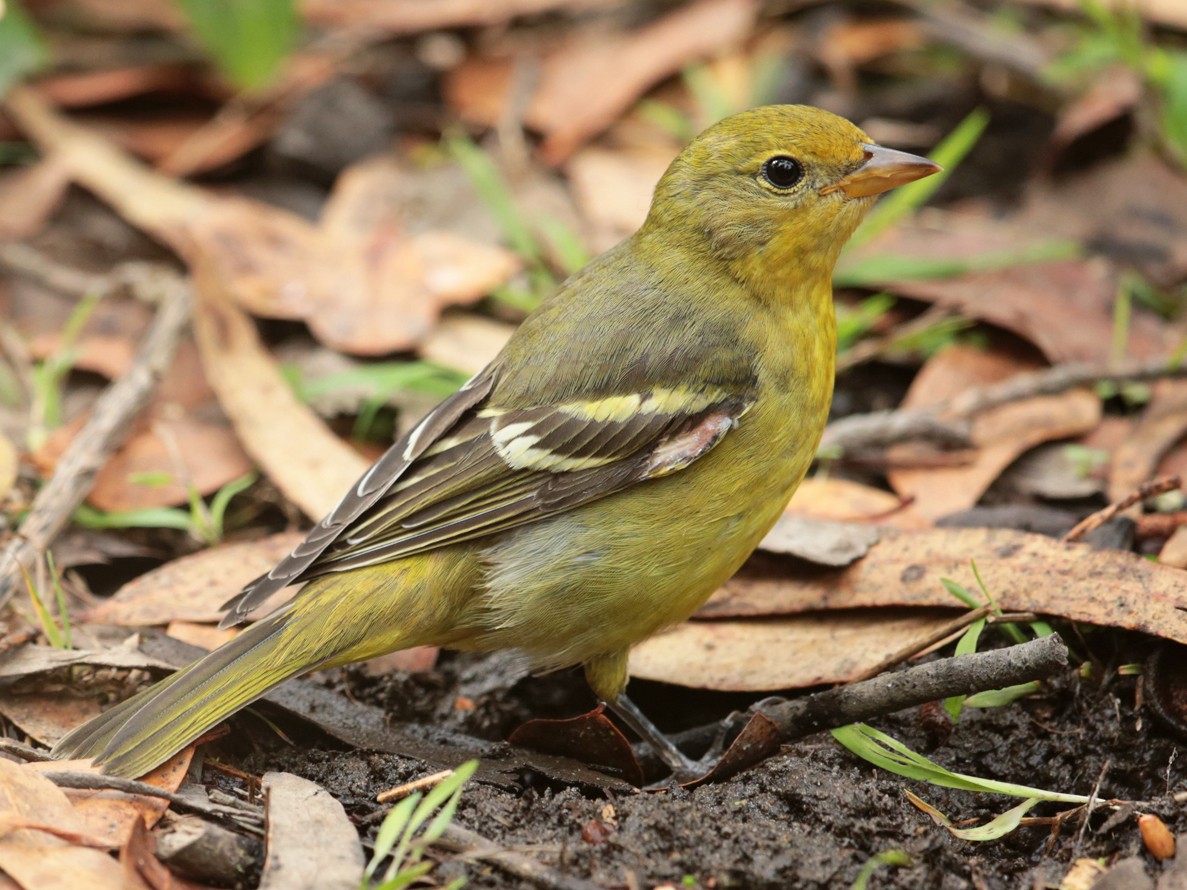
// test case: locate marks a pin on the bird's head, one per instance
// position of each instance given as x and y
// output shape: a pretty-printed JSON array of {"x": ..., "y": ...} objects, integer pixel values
[{"x": 777, "y": 187}]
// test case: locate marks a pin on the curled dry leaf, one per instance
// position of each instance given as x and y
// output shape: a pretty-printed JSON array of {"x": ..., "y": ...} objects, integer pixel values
[
  {"x": 574, "y": 99},
  {"x": 1064, "y": 307},
  {"x": 194, "y": 587},
  {"x": 1163, "y": 423},
  {"x": 1024, "y": 573},
  {"x": 41, "y": 859},
  {"x": 29, "y": 197},
  {"x": 298, "y": 810},
  {"x": 827, "y": 497},
  {"x": 1000, "y": 435},
  {"x": 781, "y": 653},
  {"x": 112, "y": 815}
]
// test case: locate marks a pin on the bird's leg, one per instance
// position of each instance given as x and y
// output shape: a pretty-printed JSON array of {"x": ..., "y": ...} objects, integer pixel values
[{"x": 681, "y": 765}]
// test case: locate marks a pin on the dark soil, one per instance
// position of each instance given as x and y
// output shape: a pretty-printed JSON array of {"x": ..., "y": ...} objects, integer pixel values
[{"x": 810, "y": 817}]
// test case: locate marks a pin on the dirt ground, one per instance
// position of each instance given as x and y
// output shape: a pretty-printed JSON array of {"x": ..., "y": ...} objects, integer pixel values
[{"x": 809, "y": 817}]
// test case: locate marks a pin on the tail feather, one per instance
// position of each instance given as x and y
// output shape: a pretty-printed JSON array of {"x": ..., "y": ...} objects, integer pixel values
[{"x": 144, "y": 731}]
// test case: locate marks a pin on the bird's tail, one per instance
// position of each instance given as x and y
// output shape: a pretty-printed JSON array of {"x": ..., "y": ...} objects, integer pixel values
[
  {"x": 144, "y": 731},
  {"x": 336, "y": 619}
]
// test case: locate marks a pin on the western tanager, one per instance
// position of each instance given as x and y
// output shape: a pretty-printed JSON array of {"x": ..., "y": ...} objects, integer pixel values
[{"x": 620, "y": 458}]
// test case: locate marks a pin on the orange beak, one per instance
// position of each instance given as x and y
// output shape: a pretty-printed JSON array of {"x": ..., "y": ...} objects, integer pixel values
[{"x": 884, "y": 169}]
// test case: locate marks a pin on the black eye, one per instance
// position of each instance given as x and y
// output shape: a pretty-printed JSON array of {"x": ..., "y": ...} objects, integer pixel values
[{"x": 782, "y": 172}]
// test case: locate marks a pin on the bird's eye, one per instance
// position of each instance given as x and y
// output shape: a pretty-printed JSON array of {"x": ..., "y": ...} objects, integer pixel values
[{"x": 782, "y": 172}]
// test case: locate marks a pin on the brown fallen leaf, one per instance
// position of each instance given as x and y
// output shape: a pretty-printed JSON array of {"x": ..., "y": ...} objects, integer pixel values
[
  {"x": 614, "y": 188},
  {"x": 162, "y": 462},
  {"x": 1024, "y": 573},
  {"x": 8, "y": 466},
  {"x": 194, "y": 587},
  {"x": 1000, "y": 435},
  {"x": 44, "y": 716},
  {"x": 848, "y": 501},
  {"x": 1131, "y": 210},
  {"x": 208, "y": 636},
  {"x": 575, "y": 100},
  {"x": 297, "y": 810},
  {"x": 39, "y": 859},
  {"x": 466, "y": 342},
  {"x": 1162, "y": 425},
  {"x": 823, "y": 542},
  {"x": 110, "y": 816},
  {"x": 1115, "y": 92},
  {"x": 1064, "y": 307},
  {"x": 782, "y": 653},
  {"x": 29, "y": 196}
]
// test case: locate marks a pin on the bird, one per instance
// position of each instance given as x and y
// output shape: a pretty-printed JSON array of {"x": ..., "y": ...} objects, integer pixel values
[{"x": 613, "y": 465}]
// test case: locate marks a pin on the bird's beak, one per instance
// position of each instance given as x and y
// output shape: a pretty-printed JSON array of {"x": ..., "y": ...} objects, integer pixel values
[{"x": 884, "y": 169}]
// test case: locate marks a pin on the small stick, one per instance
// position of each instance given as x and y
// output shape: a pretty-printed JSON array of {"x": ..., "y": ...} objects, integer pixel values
[
  {"x": 947, "y": 423},
  {"x": 1100, "y": 517},
  {"x": 471, "y": 845},
  {"x": 98, "y": 440},
  {"x": 885, "y": 694},
  {"x": 402, "y": 791}
]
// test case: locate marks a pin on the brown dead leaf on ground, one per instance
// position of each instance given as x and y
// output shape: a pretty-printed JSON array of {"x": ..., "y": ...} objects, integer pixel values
[
  {"x": 1133, "y": 210},
  {"x": 164, "y": 460},
  {"x": 848, "y": 501},
  {"x": 1115, "y": 92},
  {"x": 466, "y": 342},
  {"x": 1000, "y": 435},
  {"x": 1139, "y": 457},
  {"x": 298, "y": 809},
  {"x": 614, "y": 188},
  {"x": 1064, "y": 307},
  {"x": 1024, "y": 573},
  {"x": 207, "y": 636},
  {"x": 110, "y": 816},
  {"x": 37, "y": 859},
  {"x": 46, "y": 716},
  {"x": 412, "y": 16},
  {"x": 574, "y": 99},
  {"x": 194, "y": 587},
  {"x": 782, "y": 653},
  {"x": 29, "y": 196}
]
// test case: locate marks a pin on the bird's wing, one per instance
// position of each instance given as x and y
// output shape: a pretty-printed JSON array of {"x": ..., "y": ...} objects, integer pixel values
[{"x": 471, "y": 469}]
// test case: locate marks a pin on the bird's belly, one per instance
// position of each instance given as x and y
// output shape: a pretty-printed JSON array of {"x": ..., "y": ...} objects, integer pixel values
[{"x": 605, "y": 576}]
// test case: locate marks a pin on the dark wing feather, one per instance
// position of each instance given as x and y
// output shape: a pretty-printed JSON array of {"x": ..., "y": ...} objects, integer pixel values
[
  {"x": 372, "y": 485},
  {"x": 470, "y": 471}
]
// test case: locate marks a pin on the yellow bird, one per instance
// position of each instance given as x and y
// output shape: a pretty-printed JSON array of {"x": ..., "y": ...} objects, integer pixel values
[{"x": 617, "y": 462}]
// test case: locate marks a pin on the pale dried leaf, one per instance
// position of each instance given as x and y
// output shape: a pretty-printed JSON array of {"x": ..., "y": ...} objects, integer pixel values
[
  {"x": 194, "y": 587},
  {"x": 821, "y": 541},
  {"x": 1024, "y": 573},
  {"x": 298, "y": 810},
  {"x": 783, "y": 653}
]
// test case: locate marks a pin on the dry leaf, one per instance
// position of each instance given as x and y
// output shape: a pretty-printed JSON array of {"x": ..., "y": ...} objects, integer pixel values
[
  {"x": 1064, "y": 307},
  {"x": 1024, "y": 573},
  {"x": 9, "y": 461},
  {"x": 575, "y": 100},
  {"x": 824, "y": 542},
  {"x": 1000, "y": 435},
  {"x": 467, "y": 343},
  {"x": 297, "y": 810},
  {"x": 39, "y": 860},
  {"x": 111, "y": 815},
  {"x": 1163, "y": 423},
  {"x": 47, "y": 717},
  {"x": 784, "y": 653},
  {"x": 848, "y": 501},
  {"x": 206, "y": 636},
  {"x": 193, "y": 588},
  {"x": 29, "y": 196},
  {"x": 614, "y": 188}
]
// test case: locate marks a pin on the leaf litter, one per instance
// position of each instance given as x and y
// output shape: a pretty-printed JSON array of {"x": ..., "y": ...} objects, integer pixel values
[{"x": 372, "y": 278}]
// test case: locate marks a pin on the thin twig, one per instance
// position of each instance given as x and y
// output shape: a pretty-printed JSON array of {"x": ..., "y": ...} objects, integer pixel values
[
  {"x": 474, "y": 846},
  {"x": 961, "y": 675},
  {"x": 947, "y": 423},
  {"x": 244, "y": 815},
  {"x": 1100, "y": 517},
  {"x": 97, "y": 441}
]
